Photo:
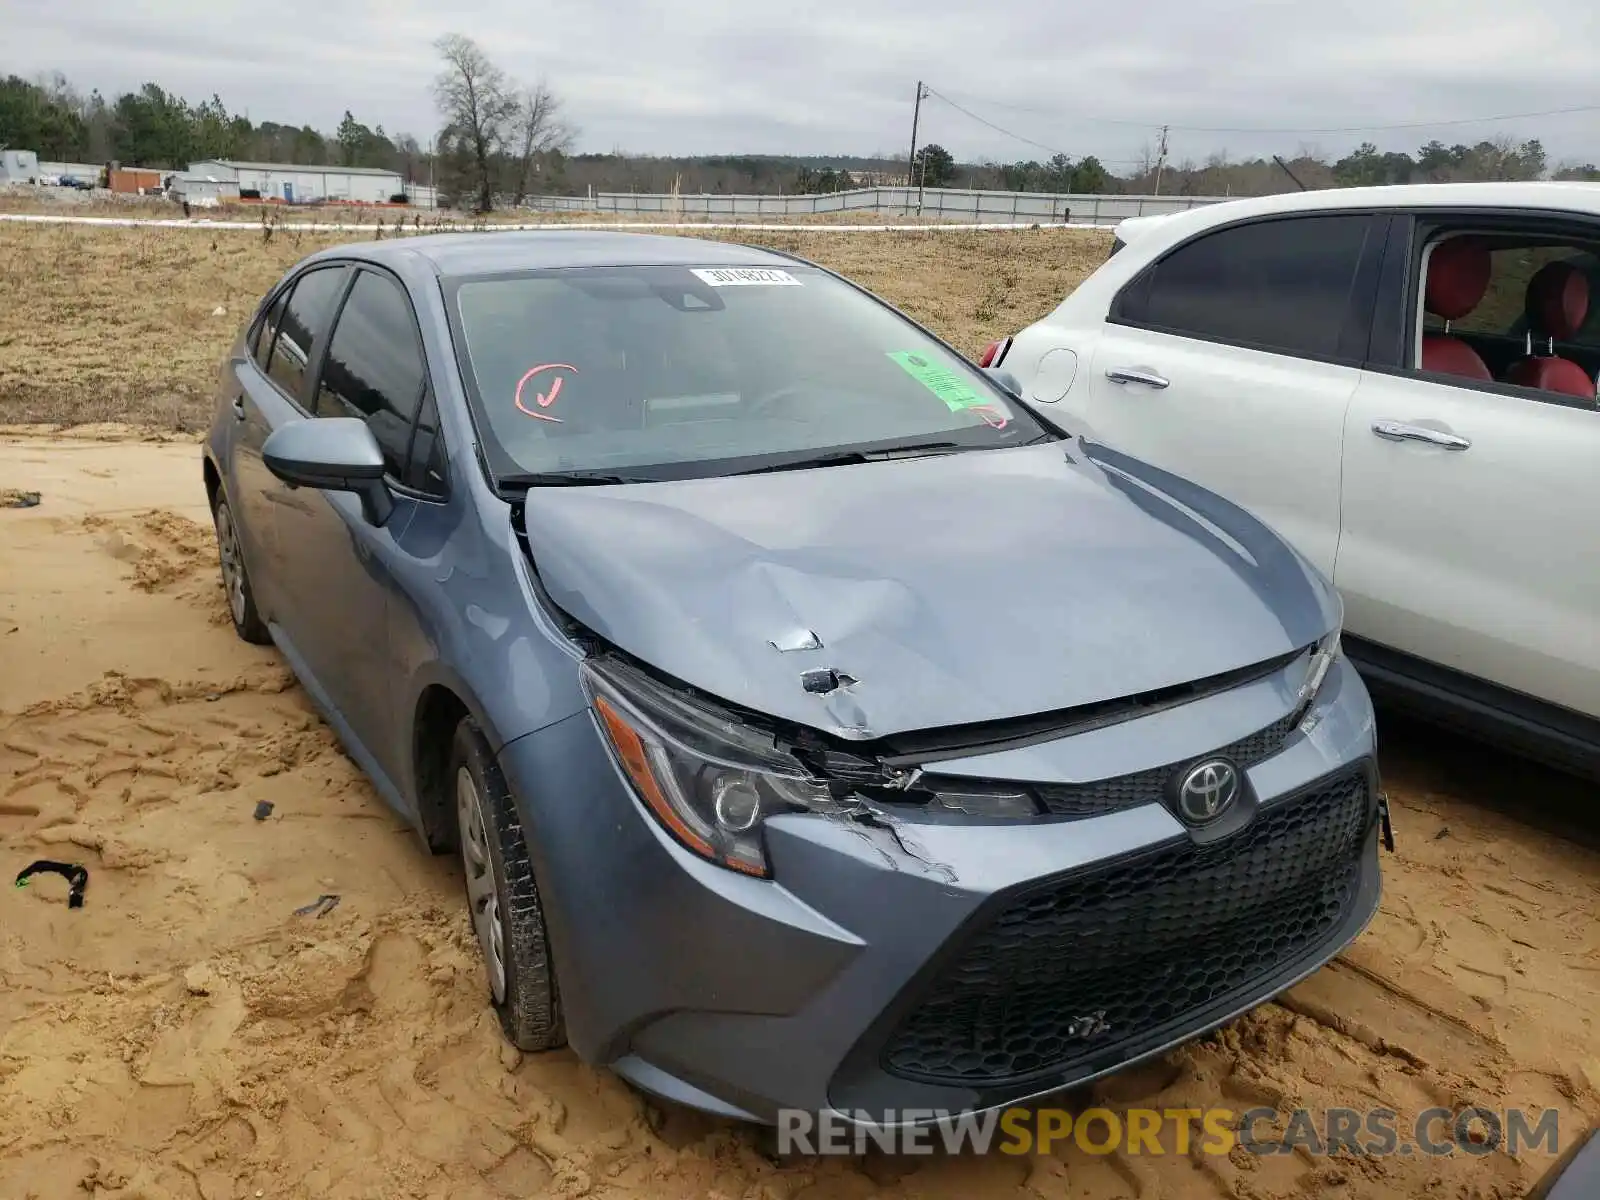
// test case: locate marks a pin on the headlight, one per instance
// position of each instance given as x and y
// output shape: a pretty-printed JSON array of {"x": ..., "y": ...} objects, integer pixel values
[
  {"x": 712, "y": 780},
  {"x": 1327, "y": 653}
]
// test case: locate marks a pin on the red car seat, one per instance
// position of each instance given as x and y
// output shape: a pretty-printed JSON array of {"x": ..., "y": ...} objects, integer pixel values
[
  {"x": 1458, "y": 276},
  {"x": 1557, "y": 306}
]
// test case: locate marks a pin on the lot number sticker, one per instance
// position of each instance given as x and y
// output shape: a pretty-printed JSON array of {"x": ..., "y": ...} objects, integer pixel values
[{"x": 745, "y": 277}]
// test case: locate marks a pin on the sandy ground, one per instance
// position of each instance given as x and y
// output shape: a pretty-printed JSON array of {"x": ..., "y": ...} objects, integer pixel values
[{"x": 186, "y": 1035}]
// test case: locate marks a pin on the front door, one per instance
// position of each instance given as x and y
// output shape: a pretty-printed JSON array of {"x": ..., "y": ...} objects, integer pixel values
[{"x": 337, "y": 568}]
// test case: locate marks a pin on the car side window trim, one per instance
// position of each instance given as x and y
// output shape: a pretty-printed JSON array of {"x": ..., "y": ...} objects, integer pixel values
[
  {"x": 1492, "y": 387},
  {"x": 1387, "y": 343},
  {"x": 1355, "y": 340},
  {"x": 319, "y": 359},
  {"x": 261, "y": 354},
  {"x": 1128, "y": 306},
  {"x": 1399, "y": 310},
  {"x": 428, "y": 404},
  {"x": 259, "y": 320}
]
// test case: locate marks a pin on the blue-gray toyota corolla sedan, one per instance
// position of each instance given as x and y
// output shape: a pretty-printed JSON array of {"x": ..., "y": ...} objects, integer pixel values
[{"x": 820, "y": 727}]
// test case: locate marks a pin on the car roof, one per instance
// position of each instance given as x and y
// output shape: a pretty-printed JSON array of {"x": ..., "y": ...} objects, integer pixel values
[
  {"x": 1541, "y": 195},
  {"x": 482, "y": 253}
]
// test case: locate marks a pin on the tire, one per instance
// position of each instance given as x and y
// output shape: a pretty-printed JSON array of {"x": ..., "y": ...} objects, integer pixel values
[
  {"x": 502, "y": 897},
  {"x": 247, "y": 622}
]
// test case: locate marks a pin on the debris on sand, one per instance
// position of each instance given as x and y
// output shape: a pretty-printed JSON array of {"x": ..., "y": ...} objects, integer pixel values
[{"x": 77, "y": 878}]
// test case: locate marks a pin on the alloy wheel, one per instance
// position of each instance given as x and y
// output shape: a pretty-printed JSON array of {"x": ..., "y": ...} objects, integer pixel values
[{"x": 483, "y": 898}]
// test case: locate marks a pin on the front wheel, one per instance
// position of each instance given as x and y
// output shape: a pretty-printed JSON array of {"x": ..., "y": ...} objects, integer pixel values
[{"x": 503, "y": 898}]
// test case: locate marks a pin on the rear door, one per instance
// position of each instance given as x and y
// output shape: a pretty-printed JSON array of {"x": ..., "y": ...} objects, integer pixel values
[
  {"x": 271, "y": 393},
  {"x": 339, "y": 570},
  {"x": 1471, "y": 532},
  {"x": 1231, "y": 360}
]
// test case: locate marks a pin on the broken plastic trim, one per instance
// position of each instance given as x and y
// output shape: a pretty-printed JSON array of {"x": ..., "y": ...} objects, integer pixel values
[
  {"x": 76, "y": 875},
  {"x": 989, "y": 737},
  {"x": 821, "y": 681},
  {"x": 711, "y": 777},
  {"x": 708, "y": 778},
  {"x": 862, "y": 780},
  {"x": 1385, "y": 824},
  {"x": 1323, "y": 656}
]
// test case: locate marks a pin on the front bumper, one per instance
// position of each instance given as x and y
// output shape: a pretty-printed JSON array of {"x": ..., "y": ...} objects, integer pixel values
[{"x": 886, "y": 969}]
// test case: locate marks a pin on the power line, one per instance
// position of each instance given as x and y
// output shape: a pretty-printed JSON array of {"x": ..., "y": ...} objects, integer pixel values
[
  {"x": 993, "y": 126},
  {"x": 1013, "y": 134},
  {"x": 1454, "y": 121}
]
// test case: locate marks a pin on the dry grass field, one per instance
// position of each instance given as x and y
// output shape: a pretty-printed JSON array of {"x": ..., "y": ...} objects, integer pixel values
[{"x": 120, "y": 324}]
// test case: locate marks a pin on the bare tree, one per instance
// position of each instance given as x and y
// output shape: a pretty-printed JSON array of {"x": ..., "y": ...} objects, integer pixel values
[
  {"x": 537, "y": 129},
  {"x": 477, "y": 104}
]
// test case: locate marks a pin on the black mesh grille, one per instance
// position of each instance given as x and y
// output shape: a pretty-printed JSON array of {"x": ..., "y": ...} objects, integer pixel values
[
  {"x": 1097, "y": 962},
  {"x": 1143, "y": 787}
]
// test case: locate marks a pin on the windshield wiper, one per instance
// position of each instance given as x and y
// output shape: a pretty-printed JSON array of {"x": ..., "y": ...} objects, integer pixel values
[
  {"x": 565, "y": 479},
  {"x": 845, "y": 458}
]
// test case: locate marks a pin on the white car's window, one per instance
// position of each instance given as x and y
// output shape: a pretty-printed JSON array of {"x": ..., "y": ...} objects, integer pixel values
[
  {"x": 599, "y": 369},
  {"x": 1281, "y": 285},
  {"x": 1516, "y": 309}
]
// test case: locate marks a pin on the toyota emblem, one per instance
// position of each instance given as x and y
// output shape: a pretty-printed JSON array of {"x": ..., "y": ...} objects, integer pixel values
[{"x": 1207, "y": 790}]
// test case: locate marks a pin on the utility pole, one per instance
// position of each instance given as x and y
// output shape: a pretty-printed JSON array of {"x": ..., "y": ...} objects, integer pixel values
[
  {"x": 911, "y": 163},
  {"x": 1161, "y": 158}
]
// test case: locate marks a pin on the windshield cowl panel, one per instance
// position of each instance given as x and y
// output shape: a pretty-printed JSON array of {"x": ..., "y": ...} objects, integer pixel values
[{"x": 665, "y": 372}]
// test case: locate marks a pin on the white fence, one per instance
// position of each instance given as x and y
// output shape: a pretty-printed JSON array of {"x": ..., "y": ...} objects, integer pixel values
[{"x": 946, "y": 204}]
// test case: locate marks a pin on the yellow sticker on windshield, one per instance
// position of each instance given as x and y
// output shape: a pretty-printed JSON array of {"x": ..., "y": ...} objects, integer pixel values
[{"x": 957, "y": 394}]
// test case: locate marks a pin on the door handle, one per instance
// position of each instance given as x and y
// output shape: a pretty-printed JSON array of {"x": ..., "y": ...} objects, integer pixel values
[
  {"x": 1137, "y": 375},
  {"x": 238, "y": 407},
  {"x": 1399, "y": 431}
]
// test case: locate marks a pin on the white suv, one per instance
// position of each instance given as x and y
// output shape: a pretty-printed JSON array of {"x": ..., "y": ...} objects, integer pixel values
[{"x": 1401, "y": 380}]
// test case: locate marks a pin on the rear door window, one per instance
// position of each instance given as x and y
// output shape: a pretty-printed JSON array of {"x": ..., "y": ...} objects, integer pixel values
[
  {"x": 304, "y": 323},
  {"x": 374, "y": 366},
  {"x": 261, "y": 345},
  {"x": 1284, "y": 286}
]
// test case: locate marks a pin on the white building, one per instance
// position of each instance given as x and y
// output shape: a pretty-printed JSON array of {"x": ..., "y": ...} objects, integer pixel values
[
  {"x": 19, "y": 166},
  {"x": 201, "y": 189},
  {"x": 302, "y": 184}
]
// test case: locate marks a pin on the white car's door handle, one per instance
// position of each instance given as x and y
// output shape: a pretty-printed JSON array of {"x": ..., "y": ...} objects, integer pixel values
[
  {"x": 1399, "y": 431},
  {"x": 1137, "y": 375}
]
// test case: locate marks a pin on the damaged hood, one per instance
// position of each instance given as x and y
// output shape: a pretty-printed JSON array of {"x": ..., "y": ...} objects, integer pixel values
[{"x": 949, "y": 590}]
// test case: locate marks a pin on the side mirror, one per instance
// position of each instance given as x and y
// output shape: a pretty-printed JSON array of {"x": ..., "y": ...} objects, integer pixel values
[
  {"x": 335, "y": 454},
  {"x": 1008, "y": 382}
]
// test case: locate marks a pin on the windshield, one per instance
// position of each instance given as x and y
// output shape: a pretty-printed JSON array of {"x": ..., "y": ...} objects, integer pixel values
[{"x": 671, "y": 372}]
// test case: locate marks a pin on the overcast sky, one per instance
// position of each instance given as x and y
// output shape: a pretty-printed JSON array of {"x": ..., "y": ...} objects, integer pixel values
[{"x": 706, "y": 76}]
